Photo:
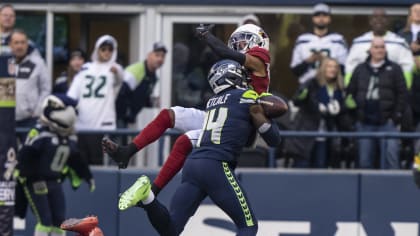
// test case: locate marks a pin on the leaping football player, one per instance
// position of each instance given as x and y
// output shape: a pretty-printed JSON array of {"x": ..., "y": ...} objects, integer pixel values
[{"x": 247, "y": 45}]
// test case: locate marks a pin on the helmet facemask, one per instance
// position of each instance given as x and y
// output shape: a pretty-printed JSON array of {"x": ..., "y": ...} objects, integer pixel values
[
  {"x": 243, "y": 41},
  {"x": 227, "y": 74},
  {"x": 248, "y": 36}
]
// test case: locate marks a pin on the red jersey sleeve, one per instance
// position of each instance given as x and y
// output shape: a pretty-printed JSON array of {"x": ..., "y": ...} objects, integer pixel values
[
  {"x": 261, "y": 53},
  {"x": 258, "y": 83}
]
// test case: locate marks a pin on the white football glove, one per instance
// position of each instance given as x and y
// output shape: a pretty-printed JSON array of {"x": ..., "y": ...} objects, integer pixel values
[
  {"x": 322, "y": 108},
  {"x": 333, "y": 107}
]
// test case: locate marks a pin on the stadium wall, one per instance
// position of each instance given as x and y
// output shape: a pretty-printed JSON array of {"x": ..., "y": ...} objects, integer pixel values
[
  {"x": 287, "y": 202},
  {"x": 237, "y": 2}
]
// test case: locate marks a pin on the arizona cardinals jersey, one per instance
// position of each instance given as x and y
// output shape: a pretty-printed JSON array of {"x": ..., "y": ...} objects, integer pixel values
[{"x": 258, "y": 83}]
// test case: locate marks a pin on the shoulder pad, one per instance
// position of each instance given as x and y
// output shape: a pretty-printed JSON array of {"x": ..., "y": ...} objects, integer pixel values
[
  {"x": 250, "y": 94},
  {"x": 265, "y": 94},
  {"x": 363, "y": 38},
  {"x": 261, "y": 53},
  {"x": 249, "y": 97},
  {"x": 85, "y": 66}
]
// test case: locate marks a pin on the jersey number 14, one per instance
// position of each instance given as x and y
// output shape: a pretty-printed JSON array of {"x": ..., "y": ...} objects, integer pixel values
[{"x": 214, "y": 125}]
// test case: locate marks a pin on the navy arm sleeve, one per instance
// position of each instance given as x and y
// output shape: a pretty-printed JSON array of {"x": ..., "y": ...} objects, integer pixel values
[
  {"x": 301, "y": 68},
  {"x": 272, "y": 135},
  {"x": 222, "y": 50}
]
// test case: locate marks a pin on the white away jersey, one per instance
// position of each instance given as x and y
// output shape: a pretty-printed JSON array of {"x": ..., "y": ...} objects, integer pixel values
[
  {"x": 95, "y": 88},
  {"x": 332, "y": 45},
  {"x": 396, "y": 48}
]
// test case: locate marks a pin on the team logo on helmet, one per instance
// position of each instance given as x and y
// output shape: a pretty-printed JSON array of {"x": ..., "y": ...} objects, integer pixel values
[
  {"x": 248, "y": 36},
  {"x": 227, "y": 74}
]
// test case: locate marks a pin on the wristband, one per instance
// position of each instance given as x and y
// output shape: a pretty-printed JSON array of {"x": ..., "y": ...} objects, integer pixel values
[{"x": 264, "y": 128}]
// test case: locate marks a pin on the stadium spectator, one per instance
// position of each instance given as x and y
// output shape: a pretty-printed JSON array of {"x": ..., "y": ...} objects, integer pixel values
[
  {"x": 311, "y": 47},
  {"x": 379, "y": 94},
  {"x": 320, "y": 101},
  {"x": 209, "y": 170},
  {"x": 186, "y": 93},
  {"x": 33, "y": 83},
  {"x": 95, "y": 88},
  {"x": 139, "y": 83},
  {"x": 193, "y": 90},
  {"x": 76, "y": 61},
  {"x": 396, "y": 48},
  {"x": 7, "y": 23},
  {"x": 50, "y": 149},
  {"x": 411, "y": 34}
]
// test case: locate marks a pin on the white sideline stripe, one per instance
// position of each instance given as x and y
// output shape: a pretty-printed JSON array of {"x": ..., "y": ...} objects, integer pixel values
[
  {"x": 18, "y": 223},
  {"x": 405, "y": 229}
]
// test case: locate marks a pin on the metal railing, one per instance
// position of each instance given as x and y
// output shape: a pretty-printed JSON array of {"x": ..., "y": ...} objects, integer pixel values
[{"x": 271, "y": 150}]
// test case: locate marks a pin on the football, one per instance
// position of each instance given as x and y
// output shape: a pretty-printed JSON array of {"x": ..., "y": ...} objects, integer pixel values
[
  {"x": 274, "y": 106},
  {"x": 83, "y": 226}
]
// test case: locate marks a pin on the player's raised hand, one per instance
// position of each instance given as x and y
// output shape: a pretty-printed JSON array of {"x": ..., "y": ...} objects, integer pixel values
[
  {"x": 120, "y": 154},
  {"x": 202, "y": 30},
  {"x": 109, "y": 146}
]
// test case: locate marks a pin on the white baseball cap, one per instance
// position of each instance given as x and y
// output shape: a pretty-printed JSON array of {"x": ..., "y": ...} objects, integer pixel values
[{"x": 321, "y": 8}]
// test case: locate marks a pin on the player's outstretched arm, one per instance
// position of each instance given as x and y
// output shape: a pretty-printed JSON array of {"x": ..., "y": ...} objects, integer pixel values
[
  {"x": 220, "y": 48},
  {"x": 268, "y": 130}
]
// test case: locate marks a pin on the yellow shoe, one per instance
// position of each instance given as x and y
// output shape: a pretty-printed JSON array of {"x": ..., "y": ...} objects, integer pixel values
[{"x": 139, "y": 191}]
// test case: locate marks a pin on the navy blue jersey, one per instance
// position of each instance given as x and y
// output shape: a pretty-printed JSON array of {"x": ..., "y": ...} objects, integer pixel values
[
  {"x": 227, "y": 126},
  {"x": 45, "y": 154}
]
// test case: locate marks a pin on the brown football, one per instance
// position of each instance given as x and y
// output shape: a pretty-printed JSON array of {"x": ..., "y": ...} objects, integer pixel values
[{"x": 274, "y": 106}]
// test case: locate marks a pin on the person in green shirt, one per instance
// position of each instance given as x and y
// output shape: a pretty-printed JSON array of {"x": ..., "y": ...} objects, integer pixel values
[{"x": 139, "y": 82}]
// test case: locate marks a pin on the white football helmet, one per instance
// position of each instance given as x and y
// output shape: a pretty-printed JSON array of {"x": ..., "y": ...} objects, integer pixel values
[
  {"x": 248, "y": 36},
  {"x": 58, "y": 115},
  {"x": 226, "y": 74}
]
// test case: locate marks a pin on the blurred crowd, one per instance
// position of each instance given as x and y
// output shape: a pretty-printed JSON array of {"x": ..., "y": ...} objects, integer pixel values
[{"x": 371, "y": 84}]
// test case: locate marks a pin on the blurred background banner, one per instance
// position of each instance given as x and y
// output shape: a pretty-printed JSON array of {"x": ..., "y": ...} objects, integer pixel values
[{"x": 7, "y": 147}]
